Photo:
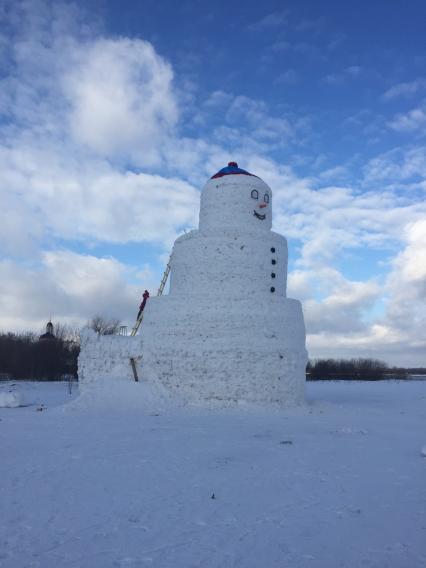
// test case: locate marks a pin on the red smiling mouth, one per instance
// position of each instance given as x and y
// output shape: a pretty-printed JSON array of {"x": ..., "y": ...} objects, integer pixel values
[{"x": 261, "y": 217}]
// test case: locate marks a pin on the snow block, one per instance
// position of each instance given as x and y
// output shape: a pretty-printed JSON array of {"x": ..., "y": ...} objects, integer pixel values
[{"x": 106, "y": 358}]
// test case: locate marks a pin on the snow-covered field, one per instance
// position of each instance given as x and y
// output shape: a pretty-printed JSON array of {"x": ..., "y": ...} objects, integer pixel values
[{"x": 340, "y": 483}]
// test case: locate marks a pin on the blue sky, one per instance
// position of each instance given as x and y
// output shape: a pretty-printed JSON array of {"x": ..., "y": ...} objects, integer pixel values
[{"x": 114, "y": 114}]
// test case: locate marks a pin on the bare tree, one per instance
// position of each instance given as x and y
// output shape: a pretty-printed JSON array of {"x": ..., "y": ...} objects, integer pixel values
[
  {"x": 60, "y": 330},
  {"x": 66, "y": 332},
  {"x": 104, "y": 326}
]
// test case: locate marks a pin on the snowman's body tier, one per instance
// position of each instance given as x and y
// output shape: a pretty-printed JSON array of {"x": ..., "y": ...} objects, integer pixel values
[
  {"x": 226, "y": 349},
  {"x": 225, "y": 266}
]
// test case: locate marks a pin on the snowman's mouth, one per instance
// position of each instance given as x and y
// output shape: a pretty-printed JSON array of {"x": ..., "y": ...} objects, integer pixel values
[{"x": 261, "y": 217}]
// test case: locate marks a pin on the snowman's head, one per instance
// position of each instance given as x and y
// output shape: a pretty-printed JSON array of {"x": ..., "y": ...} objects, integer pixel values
[{"x": 234, "y": 200}]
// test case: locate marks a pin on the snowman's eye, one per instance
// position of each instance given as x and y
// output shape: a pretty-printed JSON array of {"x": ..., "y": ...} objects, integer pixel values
[
  {"x": 255, "y": 194},
  {"x": 266, "y": 198}
]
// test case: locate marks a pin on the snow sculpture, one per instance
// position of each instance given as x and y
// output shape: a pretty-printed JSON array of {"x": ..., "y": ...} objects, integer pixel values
[{"x": 226, "y": 332}]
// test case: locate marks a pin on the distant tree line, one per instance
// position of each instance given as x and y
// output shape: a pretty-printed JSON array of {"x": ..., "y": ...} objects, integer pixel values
[
  {"x": 353, "y": 369},
  {"x": 33, "y": 357},
  {"x": 24, "y": 356}
]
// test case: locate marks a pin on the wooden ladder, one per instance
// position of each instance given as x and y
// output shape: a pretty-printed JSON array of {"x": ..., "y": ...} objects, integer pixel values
[
  {"x": 164, "y": 279},
  {"x": 137, "y": 324},
  {"x": 140, "y": 318},
  {"x": 159, "y": 293}
]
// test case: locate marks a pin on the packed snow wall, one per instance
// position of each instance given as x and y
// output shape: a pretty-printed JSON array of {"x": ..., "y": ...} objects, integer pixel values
[
  {"x": 106, "y": 358},
  {"x": 226, "y": 332}
]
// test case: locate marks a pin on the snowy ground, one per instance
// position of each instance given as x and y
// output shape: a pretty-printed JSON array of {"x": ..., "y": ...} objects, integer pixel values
[{"x": 341, "y": 483}]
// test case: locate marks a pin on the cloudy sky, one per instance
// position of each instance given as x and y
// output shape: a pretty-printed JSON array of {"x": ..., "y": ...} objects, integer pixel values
[{"x": 114, "y": 113}]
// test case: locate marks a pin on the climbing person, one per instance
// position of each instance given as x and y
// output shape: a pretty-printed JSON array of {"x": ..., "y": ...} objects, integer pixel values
[{"x": 145, "y": 297}]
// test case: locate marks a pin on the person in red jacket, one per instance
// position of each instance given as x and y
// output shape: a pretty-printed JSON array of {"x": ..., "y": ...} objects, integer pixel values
[{"x": 145, "y": 297}]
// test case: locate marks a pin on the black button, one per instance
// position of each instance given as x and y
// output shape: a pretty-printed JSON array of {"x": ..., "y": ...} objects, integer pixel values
[
  {"x": 272, "y": 274},
  {"x": 273, "y": 249},
  {"x": 272, "y": 289},
  {"x": 273, "y": 261}
]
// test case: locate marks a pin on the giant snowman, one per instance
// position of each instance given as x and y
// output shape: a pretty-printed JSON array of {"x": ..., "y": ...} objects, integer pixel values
[{"x": 226, "y": 332}]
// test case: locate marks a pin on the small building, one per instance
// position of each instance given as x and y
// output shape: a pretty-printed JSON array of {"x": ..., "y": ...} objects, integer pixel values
[{"x": 49, "y": 332}]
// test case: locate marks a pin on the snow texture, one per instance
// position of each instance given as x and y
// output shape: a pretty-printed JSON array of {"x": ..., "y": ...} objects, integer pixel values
[
  {"x": 338, "y": 483},
  {"x": 106, "y": 358},
  {"x": 10, "y": 399},
  {"x": 226, "y": 332}
]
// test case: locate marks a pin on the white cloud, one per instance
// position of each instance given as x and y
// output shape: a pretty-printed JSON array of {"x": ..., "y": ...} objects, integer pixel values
[
  {"x": 413, "y": 120},
  {"x": 96, "y": 202},
  {"x": 310, "y": 25},
  {"x": 20, "y": 229},
  {"x": 407, "y": 283},
  {"x": 341, "y": 305},
  {"x": 333, "y": 79},
  {"x": 270, "y": 21},
  {"x": 353, "y": 70},
  {"x": 121, "y": 99},
  {"x": 342, "y": 76},
  {"x": 289, "y": 77},
  {"x": 218, "y": 99},
  {"x": 279, "y": 46},
  {"x": 404, "y": 89},
  {"x": 248, "y": 126},
  {"x": 343, "y": 310},
  {"x": 255, "y": 116},
  {"x": 398, "y": 165},
  {"x": 410, "y": 265},
  {"x": 67, "y": 285},
  {"x": 340, "y": 325},
  {"x": 300, "y": 285},
  {"x": 77, "y": 107},
  {"x": 309, "y": 50},
  {"x": 336, "y": 41},
  {"x": 334, "y": 173}
]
